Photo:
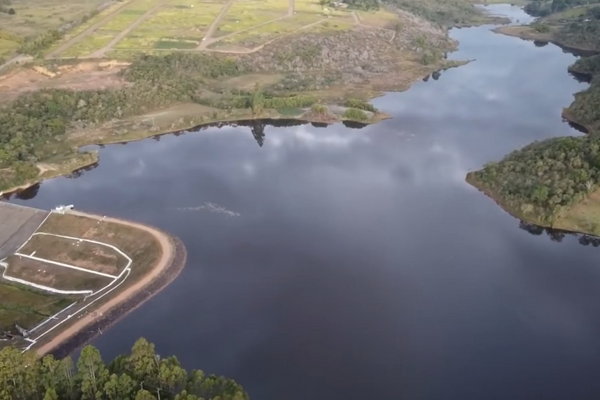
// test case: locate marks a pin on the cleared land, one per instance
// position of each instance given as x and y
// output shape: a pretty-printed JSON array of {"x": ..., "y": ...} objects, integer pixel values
[
  {"x": 106, "y": 277},
  {"x": 54, "y": 276},
  {"x": 82, "y": 76},
  {"x": 236, "y": 26},
  {"x": 87, "y": 255}
]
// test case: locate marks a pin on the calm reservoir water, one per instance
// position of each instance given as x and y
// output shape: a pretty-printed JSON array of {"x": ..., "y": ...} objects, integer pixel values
[{"x": 357, "y": 264}]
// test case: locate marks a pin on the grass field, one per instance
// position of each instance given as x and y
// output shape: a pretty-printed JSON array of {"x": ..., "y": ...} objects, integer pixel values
[
  {"x": 380, "y": 18},
  {"x": 90, "y": 44},
  {"x": 7, "y": 47},
  {"x": 86, "y": 255},
  {"x": 313, "y": 7},
  {"x": 37, "y": 16},
  {"x": 172, "y": 28},
  {"x": 272, "y": 30},
  {"x": 138, "y": 245},
  {"x": 247, "y": 14},
  {"x": 183, "y": 25},
  {"x": 54, "y": 276},
  {"x": 27, "y": 307}
]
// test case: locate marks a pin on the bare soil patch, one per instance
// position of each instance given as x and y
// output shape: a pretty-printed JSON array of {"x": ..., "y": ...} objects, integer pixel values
[
  {"x": 83, "y": 76},
  {"x": 86, "y": 255},
  {"x": 54, "y": 276}
]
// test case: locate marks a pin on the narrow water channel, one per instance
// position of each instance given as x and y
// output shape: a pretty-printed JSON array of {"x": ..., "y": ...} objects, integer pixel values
[{"x": 340, "y": 263}]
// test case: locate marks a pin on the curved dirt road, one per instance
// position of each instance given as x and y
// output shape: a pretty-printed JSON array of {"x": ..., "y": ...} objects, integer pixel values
[{"x": 164, "y": 262}]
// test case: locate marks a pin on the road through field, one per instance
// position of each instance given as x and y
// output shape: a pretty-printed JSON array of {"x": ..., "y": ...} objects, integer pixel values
[
  {"x": 164, "y": 262},
  {"x": 100, "y": 53},
  {"x": 87, "y": 32},
  {"x": 213, "y": 27}
]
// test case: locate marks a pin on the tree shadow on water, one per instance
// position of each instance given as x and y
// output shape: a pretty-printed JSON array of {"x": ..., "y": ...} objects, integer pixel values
[{"x": 557, "y": 235}]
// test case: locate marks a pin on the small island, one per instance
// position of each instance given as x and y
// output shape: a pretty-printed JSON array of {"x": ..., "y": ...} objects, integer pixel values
[{"x": 555, "y": 183}]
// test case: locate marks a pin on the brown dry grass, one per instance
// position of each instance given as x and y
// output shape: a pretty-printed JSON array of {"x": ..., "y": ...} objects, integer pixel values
[
  {"x": 141, "y": 246},
  {"x": 583, "y": 216},
  {"x": 53, "y": 276},
  {"x": 80, "y": 254}
]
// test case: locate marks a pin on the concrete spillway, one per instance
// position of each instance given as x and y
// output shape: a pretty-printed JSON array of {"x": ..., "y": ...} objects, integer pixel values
[{"x": 17, "y": 224}]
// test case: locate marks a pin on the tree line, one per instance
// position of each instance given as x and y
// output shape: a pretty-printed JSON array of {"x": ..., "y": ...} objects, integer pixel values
[
  {"x": 542, "y": 8},
  {"x": 585, "y": 110},
  {"x": 140, "y": 375}
]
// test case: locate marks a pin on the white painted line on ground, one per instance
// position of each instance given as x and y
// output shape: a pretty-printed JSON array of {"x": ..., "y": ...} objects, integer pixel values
[
  {"x": 53, "y": 317},
  {"x": 82, "y": 309},
  {"x": 126, "y": 270},
  {"x": 42, "y": 287},
  {"x": 66, "y": 265}
]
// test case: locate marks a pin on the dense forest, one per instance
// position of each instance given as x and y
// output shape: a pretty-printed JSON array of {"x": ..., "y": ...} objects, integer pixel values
[
  {"x": 544, "y": 178},
  {"x": 585, "y": 110},
  {"x": 141, "y": 375}
]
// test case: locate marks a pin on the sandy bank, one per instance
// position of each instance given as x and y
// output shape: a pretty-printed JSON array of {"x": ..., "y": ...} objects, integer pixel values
[{"x": 166, "y": 269}]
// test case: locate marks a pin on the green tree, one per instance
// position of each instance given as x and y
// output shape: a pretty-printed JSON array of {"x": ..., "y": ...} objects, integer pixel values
[
  {"x": 51, "y": 394},
  {"x": 144, "y": 395},
  {"x": 119, "y": 387},
  {"x": 92, "y": 373}
]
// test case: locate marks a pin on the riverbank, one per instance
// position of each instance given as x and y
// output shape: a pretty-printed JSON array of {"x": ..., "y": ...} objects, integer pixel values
[
  {"x": 581, "y": 218},
  {"x": 527, "y": 32},
  {"x": 192, "y": 116},
  {"x": 166, "y": 268}
]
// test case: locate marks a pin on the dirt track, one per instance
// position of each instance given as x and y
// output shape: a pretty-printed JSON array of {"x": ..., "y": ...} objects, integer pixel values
[
  {"x": 171, "y": 262},
  {"x": 101, "y": 53},
  {"x": 213, "y": 27},
  {"x": 87, "y": 32}
]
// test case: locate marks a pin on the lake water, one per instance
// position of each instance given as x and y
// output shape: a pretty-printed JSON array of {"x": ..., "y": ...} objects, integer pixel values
[{"x": 357, "y": 264}]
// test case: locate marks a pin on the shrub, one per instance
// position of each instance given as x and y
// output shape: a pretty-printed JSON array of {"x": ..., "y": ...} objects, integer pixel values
[
  {"x": 355, "y": 115},
  {"x": 319, "y": 109},
  {"x": 360, "y": 105}
]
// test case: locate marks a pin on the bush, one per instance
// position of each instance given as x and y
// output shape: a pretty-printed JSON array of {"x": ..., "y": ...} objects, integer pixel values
[
  {"x": 355, "y": 115},
  {"x": 319, "y": 109},
  {"x": 541, "y": 28},
  {"x": 360, "y": 105}
]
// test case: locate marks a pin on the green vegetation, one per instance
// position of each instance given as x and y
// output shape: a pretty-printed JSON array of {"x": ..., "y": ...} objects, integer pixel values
[
  {"x": 541, "y": 28},
  {"x": 555, "y": 182},
  {"x": 35, "y": 125},
  {"x": 140, "y": 375},
  {"x": 543, "y": 180},
  {"x": 542, "y": 8},
  {"x": 36, "y": 25},
  {"x": 355, "y": 115},
  {"x": 319, "y": 109},
  {"x": 443, "y": 12},
  {"x": 27, "y": 307},
  {"x": 358, "y": 4},
  {"x": 361, "y": 105}
]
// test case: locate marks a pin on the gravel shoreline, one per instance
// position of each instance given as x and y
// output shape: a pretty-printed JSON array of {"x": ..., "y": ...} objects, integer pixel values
[{"x": 115, "y": 314}]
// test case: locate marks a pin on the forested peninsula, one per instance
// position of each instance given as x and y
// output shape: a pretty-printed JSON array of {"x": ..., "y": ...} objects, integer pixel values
[
  {"x": 556, "y": 182},
  {"x": 53, "y": 103}
]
